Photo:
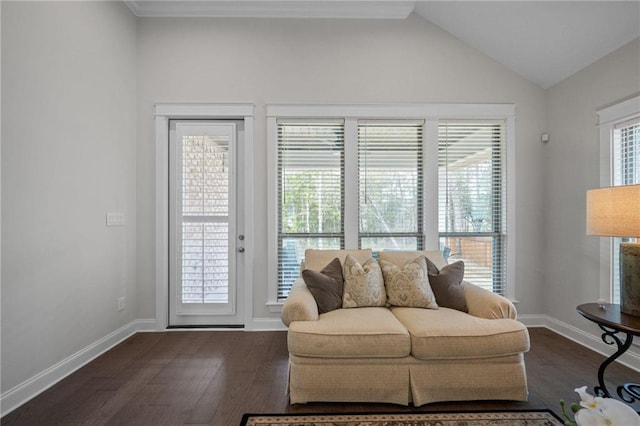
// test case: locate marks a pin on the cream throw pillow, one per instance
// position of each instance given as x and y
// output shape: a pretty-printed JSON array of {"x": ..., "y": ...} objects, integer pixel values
[
  {"x": 409, "y": 285},
  {"x": 363, "y": 284}
]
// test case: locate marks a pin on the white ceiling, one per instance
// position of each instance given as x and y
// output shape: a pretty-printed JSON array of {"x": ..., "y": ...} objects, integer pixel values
[{"x": 544, "y": 41}]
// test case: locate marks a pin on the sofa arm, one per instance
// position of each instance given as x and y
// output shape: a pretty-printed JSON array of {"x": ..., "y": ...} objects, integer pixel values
[
  {"x": 300, "y": 305},
  {"x": 485, "y": 304}
]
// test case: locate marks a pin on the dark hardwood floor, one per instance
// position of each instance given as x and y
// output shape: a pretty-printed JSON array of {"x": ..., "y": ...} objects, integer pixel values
[{"x": 213, "y": 377}]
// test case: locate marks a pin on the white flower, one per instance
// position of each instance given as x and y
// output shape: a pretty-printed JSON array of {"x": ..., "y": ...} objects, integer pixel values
[
  {"x": 590, "y": 418},
  {"x": 587, "y": 400},
  {"x": 599, "y": 411}
]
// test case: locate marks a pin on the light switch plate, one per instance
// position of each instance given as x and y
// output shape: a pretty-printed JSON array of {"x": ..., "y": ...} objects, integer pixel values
[{"x": 115, "y": 219}]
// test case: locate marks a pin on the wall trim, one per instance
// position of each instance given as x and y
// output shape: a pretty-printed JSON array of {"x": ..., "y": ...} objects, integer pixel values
[
  {"x": 18, "y": 395},
  {"x": 371, "y": 9},
  {"x": 164, "y": 112},
  {"x": 619, "y": 111},
  {"x": 431, "y": 114},
  {"x": 391, "y": 110},
  {"x": 630, "y": 359},
  {"x": 267, "y": 324}
]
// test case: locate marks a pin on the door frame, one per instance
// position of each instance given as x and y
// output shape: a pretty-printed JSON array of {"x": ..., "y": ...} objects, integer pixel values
[
  {"x": 229, "y": 313},
  {"x": 172, "y": 111}
]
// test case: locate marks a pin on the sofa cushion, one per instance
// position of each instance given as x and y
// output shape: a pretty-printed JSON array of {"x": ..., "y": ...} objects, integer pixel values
[
  {"x": 450, "y": 334},
  {"x": 317, "y": 259},
  {"x": 350, "y": 333},
  {"x": 446, "y": 284},
  {"x": 399, "y": 258},
  {"x": 408, "y": 285},
  {"x": 326, "y": 286},
  {"x": 363, "y": 284}
]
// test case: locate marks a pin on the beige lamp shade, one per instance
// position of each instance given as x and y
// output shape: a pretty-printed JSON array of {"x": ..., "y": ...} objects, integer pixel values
[{"x": 614, "y": 212}]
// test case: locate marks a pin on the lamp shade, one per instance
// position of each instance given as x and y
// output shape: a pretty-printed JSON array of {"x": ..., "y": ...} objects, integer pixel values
[{"x": 614, "y": 212}]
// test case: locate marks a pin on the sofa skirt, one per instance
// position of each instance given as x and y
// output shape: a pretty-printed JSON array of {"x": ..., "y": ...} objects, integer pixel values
[
  {"x": 405, "y": 380},
  {"x": 499, "y": 378}
]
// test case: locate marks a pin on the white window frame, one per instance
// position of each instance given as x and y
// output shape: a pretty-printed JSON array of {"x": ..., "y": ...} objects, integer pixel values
[
  {"x": 607, "y": 119},
  {"x": 351, "y": 113},
  {"x": 171, "y": 111}
]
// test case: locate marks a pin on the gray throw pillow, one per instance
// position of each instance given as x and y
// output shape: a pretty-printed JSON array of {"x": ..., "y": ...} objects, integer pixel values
[
  {"x": 326, "y": 286},
  {"x": 446, "y": 284}
]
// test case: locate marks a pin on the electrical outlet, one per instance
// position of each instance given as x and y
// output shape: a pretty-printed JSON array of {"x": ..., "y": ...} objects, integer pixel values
[
  {"x": 121, "y": 303},
  {"x": 115, "y": 219}
]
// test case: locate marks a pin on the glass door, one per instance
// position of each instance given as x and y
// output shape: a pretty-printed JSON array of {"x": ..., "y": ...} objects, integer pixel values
[{"x": 204, "y": 241}]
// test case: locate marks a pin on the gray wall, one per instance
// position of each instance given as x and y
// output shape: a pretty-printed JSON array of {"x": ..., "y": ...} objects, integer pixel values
[
  {"x": 79, "y": 81},
  {"x": 572, "y": 161},
  {"x": 68, "y": 157},
  {"x": 326, "y": 61}
]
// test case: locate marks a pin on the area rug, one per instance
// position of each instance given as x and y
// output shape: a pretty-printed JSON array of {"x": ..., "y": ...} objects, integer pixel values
[{"x": 487, "y": 418}]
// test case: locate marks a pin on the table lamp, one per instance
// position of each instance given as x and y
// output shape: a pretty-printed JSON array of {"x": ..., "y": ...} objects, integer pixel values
[{"x": 615, "y": 212}]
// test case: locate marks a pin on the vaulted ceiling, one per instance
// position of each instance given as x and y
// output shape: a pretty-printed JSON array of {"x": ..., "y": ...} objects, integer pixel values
[{"x": 544, "y": 41}]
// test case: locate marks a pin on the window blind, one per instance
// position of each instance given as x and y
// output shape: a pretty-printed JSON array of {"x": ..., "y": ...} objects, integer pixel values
[
  {"x": 390, "y": 184},
  {"x": 626, "y": 153},
  {"x": 310, "y": 193},
  {"x": 472, "y": 202},
  {"x": 626, "y": 171}
]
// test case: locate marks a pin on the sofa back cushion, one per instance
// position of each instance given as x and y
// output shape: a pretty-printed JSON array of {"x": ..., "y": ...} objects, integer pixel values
[
  {"x": 317, "y": 259},
  {"x": 400, "y": 258}
]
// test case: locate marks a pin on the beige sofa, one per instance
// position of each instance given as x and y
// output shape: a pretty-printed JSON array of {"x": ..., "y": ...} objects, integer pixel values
[{"x": 401, "y": 355}]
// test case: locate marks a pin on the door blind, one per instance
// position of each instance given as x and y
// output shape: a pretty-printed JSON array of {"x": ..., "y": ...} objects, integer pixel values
[{"x": 205, "y": 216}]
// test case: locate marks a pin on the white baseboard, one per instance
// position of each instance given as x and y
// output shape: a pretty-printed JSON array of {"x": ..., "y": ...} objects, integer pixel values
[
  {"x": 145, "y": 325},
  {"x": 629, "y": 359},
  {"x": 18, "y": 395},
  {"x": 267, "y": 324}
]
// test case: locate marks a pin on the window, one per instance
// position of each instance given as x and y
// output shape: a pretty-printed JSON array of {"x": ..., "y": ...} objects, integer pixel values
[
  {"x": 390, "y": 185},
  {"x": 626, "y": 171},
  {"x": 619, "y": 165},
  {"x": 310, "y": 193},
  {"x": 471, "y": 199},
  {"x": 390, "y": 178}
]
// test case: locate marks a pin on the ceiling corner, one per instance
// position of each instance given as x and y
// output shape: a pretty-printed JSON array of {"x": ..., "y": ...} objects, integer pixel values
[{"x": 132, "y": 5}]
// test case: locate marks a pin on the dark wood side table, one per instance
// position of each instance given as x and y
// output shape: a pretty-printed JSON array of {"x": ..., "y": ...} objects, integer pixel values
[{"x": 612, "y": 321}]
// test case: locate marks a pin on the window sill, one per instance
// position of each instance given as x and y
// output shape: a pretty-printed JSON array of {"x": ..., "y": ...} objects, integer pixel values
[{"x": 275, "y": 307}]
